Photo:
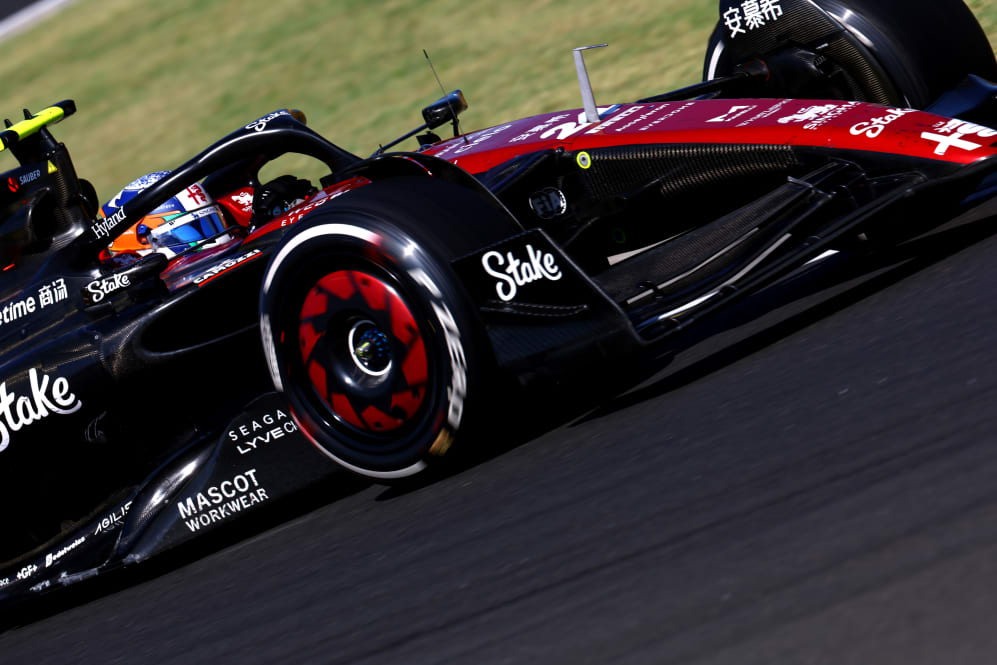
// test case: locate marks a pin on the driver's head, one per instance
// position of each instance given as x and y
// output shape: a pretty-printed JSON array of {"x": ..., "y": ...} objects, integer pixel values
[{"x": 186, "y": 220}]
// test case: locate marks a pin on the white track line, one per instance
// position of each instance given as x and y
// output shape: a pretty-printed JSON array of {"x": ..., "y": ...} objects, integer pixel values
[{"x": 30, "y": 15}]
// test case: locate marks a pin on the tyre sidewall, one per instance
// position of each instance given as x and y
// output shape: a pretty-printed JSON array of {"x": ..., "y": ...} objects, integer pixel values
[{"x": 362, "y": 240}]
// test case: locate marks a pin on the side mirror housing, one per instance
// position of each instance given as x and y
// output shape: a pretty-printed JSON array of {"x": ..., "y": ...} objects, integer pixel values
[{"x": 444, "y": 110}]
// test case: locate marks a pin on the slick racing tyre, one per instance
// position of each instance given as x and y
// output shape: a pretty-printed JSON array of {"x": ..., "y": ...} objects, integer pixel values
[
  {"x": 367, "y": 330},
  {"x": 891, "y": 52}
]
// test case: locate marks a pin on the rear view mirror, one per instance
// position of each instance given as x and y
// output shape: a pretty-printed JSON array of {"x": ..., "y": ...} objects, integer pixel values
[{"x": 444, "y": 110}]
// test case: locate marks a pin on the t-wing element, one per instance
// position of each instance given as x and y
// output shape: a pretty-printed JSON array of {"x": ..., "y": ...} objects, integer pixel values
[
  {"x": 70, "y": 202},
  {"x": 588, "y": 97}
]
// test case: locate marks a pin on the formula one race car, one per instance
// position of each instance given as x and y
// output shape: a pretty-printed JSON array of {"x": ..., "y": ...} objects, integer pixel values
[{"x": 148, "y": 398}]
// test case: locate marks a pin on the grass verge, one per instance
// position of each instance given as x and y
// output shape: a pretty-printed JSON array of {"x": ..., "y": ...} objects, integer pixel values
[{"x": 157, "y": 81}]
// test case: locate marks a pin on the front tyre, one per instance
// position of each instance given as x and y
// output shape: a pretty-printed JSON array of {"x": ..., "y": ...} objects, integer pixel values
[{"x": 367, "y": 332}]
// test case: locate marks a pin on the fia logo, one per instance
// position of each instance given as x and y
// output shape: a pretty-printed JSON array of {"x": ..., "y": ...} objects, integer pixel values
[{"x": 548, "y": 203}]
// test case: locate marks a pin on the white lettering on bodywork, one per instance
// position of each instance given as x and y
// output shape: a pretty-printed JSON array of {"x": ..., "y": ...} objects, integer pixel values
[
  {"x": 512, "y": 272},
  {"x": 19, "y": 411}
]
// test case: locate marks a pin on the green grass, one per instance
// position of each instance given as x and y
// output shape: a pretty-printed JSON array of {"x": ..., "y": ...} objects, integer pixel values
[{"x": 155, "y": 81}]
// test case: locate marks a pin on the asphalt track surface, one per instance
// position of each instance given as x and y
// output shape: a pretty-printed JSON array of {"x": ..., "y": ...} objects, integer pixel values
[
  {"x": 8, "y": 7},
  {"x": 818, "y": 485},
  {"x": 18, "y": 15}
]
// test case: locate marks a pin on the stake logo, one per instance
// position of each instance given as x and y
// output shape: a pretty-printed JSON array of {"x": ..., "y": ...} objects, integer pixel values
[
  {"x": 19, "y": 411},
  {"x": 512, "y": 272},
  {"x": 260, "y": 124},
  {"x": 98, "y": 289},
  {"x": 873, "y": 128}
]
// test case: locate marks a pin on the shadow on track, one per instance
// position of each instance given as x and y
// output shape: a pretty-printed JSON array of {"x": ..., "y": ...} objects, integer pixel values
[
  {"x": 880, "y": 270},
  {"x": 46, "y": 605},
  {"x": 575, "y": 401}
]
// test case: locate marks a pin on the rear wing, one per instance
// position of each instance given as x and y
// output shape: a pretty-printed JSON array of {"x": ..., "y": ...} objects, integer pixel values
[
  {"x": 46, "y": 173},
  {"x": 33, "y": 123}
]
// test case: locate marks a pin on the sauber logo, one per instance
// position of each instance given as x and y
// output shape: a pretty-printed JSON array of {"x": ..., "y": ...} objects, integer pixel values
[
  {"x": 512, "y": 272},
  {"x": 19, "y": 411},
  {"x": 30, "y": 176},
  {"x": 14, "y": 184}
]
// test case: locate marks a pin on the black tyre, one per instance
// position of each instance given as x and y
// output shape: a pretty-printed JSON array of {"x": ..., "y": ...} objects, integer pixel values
[
  {"x": 891, "y": 52},
  {"x": 367, "y": 330}
]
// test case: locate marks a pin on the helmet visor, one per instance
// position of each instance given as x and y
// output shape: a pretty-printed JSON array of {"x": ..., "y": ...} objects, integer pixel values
[{"x": 188, "y": 229}]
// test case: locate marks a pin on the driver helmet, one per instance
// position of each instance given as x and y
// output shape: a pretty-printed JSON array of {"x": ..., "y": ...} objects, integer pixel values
[{"x": 188, "y": 219}]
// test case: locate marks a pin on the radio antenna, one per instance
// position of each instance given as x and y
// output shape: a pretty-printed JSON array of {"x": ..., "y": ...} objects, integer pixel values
[{"x": 456, "y": 122}]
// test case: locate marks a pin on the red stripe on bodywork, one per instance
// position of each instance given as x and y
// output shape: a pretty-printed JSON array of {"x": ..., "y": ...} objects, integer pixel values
[{"x": 776, "y": 122}]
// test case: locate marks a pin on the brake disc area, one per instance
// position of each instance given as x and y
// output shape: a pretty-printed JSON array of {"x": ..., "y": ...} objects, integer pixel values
[{"x": 362, "y": 351}]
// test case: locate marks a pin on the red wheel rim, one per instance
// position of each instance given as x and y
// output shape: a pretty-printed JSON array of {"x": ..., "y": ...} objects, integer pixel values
[{"x": 362, "y": 351}]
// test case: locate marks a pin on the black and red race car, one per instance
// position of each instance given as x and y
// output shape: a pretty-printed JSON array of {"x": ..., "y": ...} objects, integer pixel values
[{"x": 374, "y": 324}]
